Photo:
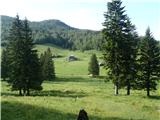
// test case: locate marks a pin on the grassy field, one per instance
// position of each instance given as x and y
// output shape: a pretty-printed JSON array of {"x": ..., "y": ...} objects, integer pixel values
[{"x": 73, "y": 90}]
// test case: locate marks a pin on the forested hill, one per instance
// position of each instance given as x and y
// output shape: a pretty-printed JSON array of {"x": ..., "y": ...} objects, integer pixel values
[{"x": 58, "y": 33}]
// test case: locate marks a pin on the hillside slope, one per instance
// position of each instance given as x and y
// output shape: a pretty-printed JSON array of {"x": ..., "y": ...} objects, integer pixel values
[{"x": 58, "y": 33}]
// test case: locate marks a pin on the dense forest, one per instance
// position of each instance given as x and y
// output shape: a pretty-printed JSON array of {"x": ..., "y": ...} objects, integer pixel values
[{"x": 57, "y": 33}]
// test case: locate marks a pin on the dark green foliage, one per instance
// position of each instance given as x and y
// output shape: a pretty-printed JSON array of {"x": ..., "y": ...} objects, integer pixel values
[
  {"x": 93, "y": 67},
  {"x": 114, "y": 19},
  {"x": 58, "y": 33},
  {"x": 128, "y": 63},
  {"x": 15, "y": 36},
  {"x": 35, "y": 72},
  {"x": 47, "y": 64},
  {"x": 4, "y": 64},
  {"x": 149, "y": 63},
  {"x": 120, "y": 46},
  {"x": 25, "y": 72}
]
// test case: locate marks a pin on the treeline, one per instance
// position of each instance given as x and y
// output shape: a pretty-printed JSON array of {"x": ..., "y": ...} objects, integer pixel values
[
  {"x": 132, "y": 62},
  {"x": 20, "y": 65},
  {"x": 58, "y": 33}
]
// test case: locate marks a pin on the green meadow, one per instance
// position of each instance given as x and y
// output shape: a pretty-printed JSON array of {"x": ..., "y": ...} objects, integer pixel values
[{"x": 73, "y": 90}]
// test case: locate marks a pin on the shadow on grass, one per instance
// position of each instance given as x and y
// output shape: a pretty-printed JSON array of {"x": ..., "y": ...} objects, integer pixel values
[
  {"x": 78, "y": 79},
  {"x": 21, "y": 111},
  {"x": 9, "y": 94},
  {"x": 55, "y": 93},
  {"x": 154, "y": 97},
  {"x": 58, "y": 93}
]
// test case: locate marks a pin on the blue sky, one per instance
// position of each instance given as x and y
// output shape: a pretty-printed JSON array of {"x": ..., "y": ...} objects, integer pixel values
[{"x": 85, "y": 14}]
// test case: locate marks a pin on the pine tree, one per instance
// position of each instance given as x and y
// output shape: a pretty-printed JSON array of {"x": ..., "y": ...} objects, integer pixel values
[
  {"x": 24, "y": 63},
  {"x": 119, "y": 48},
  {"x": 149, "y": 63},
  {"x": 93, "y": 67}
]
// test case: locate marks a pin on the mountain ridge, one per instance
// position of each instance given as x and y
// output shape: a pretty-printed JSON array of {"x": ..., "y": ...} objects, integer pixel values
[
  {"x": 56, "y": 32},
  {"x": 49, "y": 20}
]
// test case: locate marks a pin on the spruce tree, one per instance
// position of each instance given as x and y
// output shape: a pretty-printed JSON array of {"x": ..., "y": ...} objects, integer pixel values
[
  {"x": 31, "y": 61},
  {"x": 120, "y": 45},
  {"x": 24, "y": 63},
  {"x": 93, "y": 67},
  {"x": 149, "y": 63},
  {"x": 113, "y": 34},
  {"x": 14, "y": 54},
  {"x": 128, "y": 59}
]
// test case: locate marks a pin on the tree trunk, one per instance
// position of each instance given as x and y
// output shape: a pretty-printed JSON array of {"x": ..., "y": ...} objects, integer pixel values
[
  {"x": 116, "y": 88},
  {"x": 28, "y": 92},
  {"x": 128, "y": 87},
  {"x": 20, "y": 92},
  {"x": 148, "y": 88},
  {"x": 24, "y": 91},
  {"x": 148, "y": 84}
]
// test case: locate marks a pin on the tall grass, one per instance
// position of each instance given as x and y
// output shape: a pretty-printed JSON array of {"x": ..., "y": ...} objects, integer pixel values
[{"x": 73, "y": 90}]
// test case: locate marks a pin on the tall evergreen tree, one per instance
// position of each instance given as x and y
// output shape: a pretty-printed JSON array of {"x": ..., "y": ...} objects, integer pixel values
[
  {"x": 149, "y": 62},
  {"x": 14, "y": 54},
  {"x": 112, "y": 34},
  {"x": 93, "y": 67},
  {"x": 31, "y": 61},
  {"x": 24, "y": 64},
  {"x": 129, "y": 49},
  {"x": 119, "y": 48}
]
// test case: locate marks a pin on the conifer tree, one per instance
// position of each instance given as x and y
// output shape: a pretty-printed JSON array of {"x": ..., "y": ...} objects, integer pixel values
[
  {"x": 149, "y": 63},
  {"x": 120, "y": 45},
  {"x": 47, "y": 64},
  {"x": 42, "y": 59},
  {"x": 93, "y": 67},
  {"x": 31, "y": 61},
  {"x": 14, "y": 54},
  {"x": 113, "y": 35},
  {"x": 50, "y": 71},
  {"x": 128, "y": 59},
  {"x": 24, "y": 63}
]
